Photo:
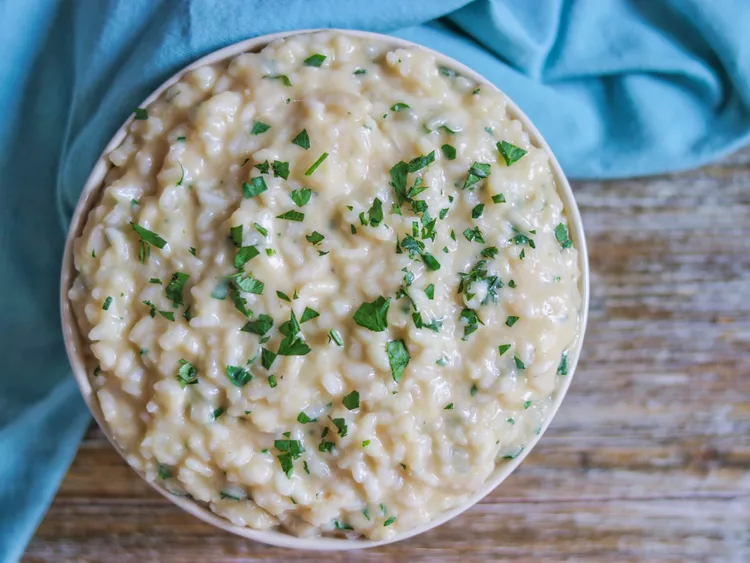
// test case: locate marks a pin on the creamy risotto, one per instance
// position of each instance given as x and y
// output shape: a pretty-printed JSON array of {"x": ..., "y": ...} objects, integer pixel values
[{"x": 328, "y": 287}]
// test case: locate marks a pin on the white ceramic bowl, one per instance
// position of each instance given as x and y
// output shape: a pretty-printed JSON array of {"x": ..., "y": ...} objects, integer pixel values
[{"x": 75, "y": 344}]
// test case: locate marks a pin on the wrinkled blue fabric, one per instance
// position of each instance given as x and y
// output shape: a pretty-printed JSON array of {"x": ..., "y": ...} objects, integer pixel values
[{"x": 618, "y": 88}]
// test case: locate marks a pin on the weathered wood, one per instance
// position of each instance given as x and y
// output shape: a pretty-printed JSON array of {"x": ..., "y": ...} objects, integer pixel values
[{"x": 648, "y": 459}]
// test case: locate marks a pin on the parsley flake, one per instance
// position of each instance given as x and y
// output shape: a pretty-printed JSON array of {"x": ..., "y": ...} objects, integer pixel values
[
  {"x": 292, "y": 215},
  {"x": 374, "y": 315},
  {"x": 239, "y": 376},
  {"x": 107, "y": 303},
  {"x": 398, "y": 358},
  {"x": 315, "y": 60},
  {"x": 510, "y": 153},
  {"x": 141, "y": 114},
  {"x": 259, "y": 127},
  {"x": 562, "y": 236},
  {"x": 351, "y": 401},
  {"x": 399, "y": 106},
  {"x": 302, "y": 139},
  {"x": 256, "y": 186},
  {"x": 477, "y": 172},
  {"x": 449, "y": 151},
  {"x": 187, "y": 374}
]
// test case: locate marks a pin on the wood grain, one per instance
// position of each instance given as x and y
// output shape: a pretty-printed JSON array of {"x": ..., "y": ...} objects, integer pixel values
[{"x": 648, "y": 459}]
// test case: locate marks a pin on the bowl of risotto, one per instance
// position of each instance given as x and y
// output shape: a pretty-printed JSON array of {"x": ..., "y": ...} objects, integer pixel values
[{"x": 325, "y": 289}]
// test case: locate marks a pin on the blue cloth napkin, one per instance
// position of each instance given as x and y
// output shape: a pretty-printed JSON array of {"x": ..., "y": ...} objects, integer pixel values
[{"x": 618, "y": 88}]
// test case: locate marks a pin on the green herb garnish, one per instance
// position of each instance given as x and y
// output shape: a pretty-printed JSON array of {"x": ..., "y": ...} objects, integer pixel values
[
  {"x": 292, "y": 215},
  {"x": 519, "y": 363},
  {"x": 335, "y": 336},
  {"x": 476, "y": 213},
  {"x": 562, "y": 368},
  {"x": 373, "y": 315},
  {"x": 503, "y": 348},
  {"x": 490, "y": 252},
  {"x": 449, "y": 152},
  {"x": 477, "y": 172},
  {"x": 302, "y": 139},
  {"x": 340, "y": 425},
  {"x": 301, "y": 197},
  {"x": 398, "y": 358},
  {"x": 259, "y": 127},
  {"x": 511, "y": 320},
  {"x": 187, "y": 374},
  {"x": 498, "y": 198},
  {"x": 399, "y": 106},
  {"x": 390, "y": 521},
  {"x": 360, "y": 71},
  {"x": 302, "y": 418},
  {"x": 562, "y": 236},
  {"x": 282, "y": 77},
  {"x": 351, "y": 401},
  {"x": 141, "y": 114},
  {"x": 317, "y": 163},
  {"x": 239, "y": 376},
  {"x": 472, "y": 322},
  {"x": 308, "y": 314},
  {"x": 260, "y": 326},
  {"x": 107, "y": 303},
  {"x": 280, "y": 169},
  {"x": 245, "y": 254},
  {"x": 315, "y": 238},
  {"x": 175, "y": 287},
  {"x": 448, "y": 407},
  {"x": 510, "y": 153},
  {"x": 256, "y": 186},
  {"x": 272, "y": 381},
  {"x": 315, "y": 60}
]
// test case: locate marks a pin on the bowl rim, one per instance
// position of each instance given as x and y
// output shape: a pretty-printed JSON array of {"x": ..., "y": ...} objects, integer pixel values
[{"x": 74, "y": 343}]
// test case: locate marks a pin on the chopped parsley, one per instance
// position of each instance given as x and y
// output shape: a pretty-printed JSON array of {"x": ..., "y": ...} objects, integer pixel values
[
  {"x": 283, "y": 296},
  {"x": 474, "y": 389},
  {"x": 155, "y": 280},
  {"x": 399, "y": 106},
  {"x": 390, "y": 521},
  {"x": 510, "y": 153},
  {"x": 490, "y": 252},
  {"x": 335, "y": 336},
  {"x": 302, "y": 418},
  {"x": 340, "y": 425},
  {"x": 448, "y": 407},
  {"x": 430, "y": 261},
  {"x": 235, "y": 233},
  {"x": 267, "y": 358},
  {"x": 107, "y": 303},
  {"x": 280, "y": 169},
  {"x": 511, "y": 320},
  {"x": 260, "y": 229},
  {"x": 308, "y": 314},
  {"x": 218, "y": 412},
  {"x": 147, "y": 239},
  {"x": 315, "y": 60},
  {"x": 526, "y": 404},
  {"x": 292, "y": 215},
  {"x": 259, "y": 127},
  {"x": 366, "y": 443},
  {"x": 351, "y": 401},
  {"x": 291, "y": 450},
  {"x": 260, "y": 326},
  {"x": 375, "y": 213},
  {"x": 239, "y": 376},
  {"x": 326, "y": 447},
  {"x": 249, "y": 284},
  {"x": 141, "y": 114},
  {"x": 175, "y": 287},
  {"x": 503, "y": 348},
  {"x": 562, "y": 236},
  {"x": 472, "y": 322},
  {"x": 398, "y": 358},
  {"x": 187, "y": 374},
  {"x": 256, "y": 186},
  {"x": 477, "y": 172},
  {"x": 165, "y": 472},
  {"x": 449, "y": 151},
  {"x": 360, "y": 71},
  {"x": 315, "y": 238},
  {"x": 282, "y": 77},
  {"x": 192, "y": 250},
  {"x": 445, "y": 71},
  {"x": 474, "y": 235},
  {"x": 562, "y": 368},
  {"x": 518, "y": 362},
  {"x": 302, "y": 139},
  {"x": 476, "y": 213},
  {"x": 373, "y": 315},
  {"x": 245, "y": 254},
  {"x": 263, "y": 167},
  {"x": 420, "y": 162},
  {"x": 272, "y": 381},
  {"x": 430, "y": 291},
  {"x": 315, "y": 164},
  {"x": 498, "y": 198}
]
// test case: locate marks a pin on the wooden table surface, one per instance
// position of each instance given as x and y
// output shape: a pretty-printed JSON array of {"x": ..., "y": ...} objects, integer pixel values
[{"x": 647, "y": 460}]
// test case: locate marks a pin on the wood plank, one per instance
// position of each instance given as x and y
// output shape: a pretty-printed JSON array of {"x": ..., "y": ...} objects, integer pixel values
[{"x": 648, "y": 459}]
